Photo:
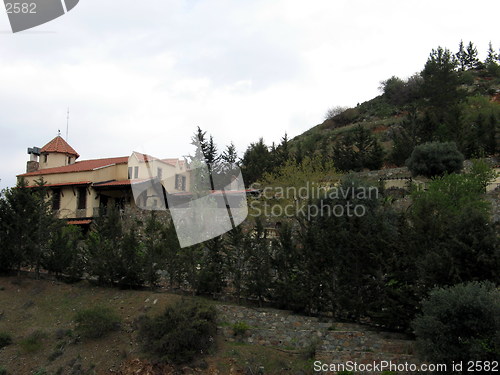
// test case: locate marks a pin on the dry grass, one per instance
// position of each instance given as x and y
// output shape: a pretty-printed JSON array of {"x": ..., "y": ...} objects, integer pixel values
[{"x": 39, "y": 316}]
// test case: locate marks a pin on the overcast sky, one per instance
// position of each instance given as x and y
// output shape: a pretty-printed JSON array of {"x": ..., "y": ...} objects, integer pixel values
[{"x": 141, "y": 75}]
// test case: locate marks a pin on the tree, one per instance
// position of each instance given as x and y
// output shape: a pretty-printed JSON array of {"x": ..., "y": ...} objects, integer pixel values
[
  {"x": 470, "y": 57},
  {"x": 256, "y": 161},
  {"x": 406, "y": 138},
  {"x": 29, "y": 219},
  {"x": 102, "y": 248},
  {"x": 440, "y": 85},
  {"x": 153, "y": 249},
  {"x": 259, "y": 264},
  {"x": 461, "y": 56},
  {"x": 434, "y": 159},
  {"x": 333, "y": 112},
  {"x": 451, "y": 229},
  {"x": 236, "y": 258},
  {"x": 460, "y": 322},
  {"x": 491, "y": 56},
  {"x": 63, "y": 256},
  {"x": 358, "y": 150},
  {"x": 211, "y": 275}
]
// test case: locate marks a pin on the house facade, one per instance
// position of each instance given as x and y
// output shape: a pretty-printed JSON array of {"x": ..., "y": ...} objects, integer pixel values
[{"x": 82, "y": 190}]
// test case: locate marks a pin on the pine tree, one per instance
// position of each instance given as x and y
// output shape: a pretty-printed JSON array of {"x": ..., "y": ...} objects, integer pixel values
[
  {"x": 471, "y": 60},
  {"x": 259, "y": 264},
  {"x": 256, "y": 161},
  {"x": 491, "y": 55},
  {"x": 440, "y": 80},
  {"x": 461, "y": 56},
  {"x": 236, "y": 257}
]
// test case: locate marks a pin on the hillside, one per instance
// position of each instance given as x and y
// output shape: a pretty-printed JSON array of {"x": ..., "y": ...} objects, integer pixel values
[
  {"x": 276, "y": 340},
  {"x": 441, "y": 103}
]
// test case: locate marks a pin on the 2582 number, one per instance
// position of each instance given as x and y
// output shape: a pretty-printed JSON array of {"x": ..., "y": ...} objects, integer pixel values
[
  {"x": 482, "y": 366},
  {"x": 18, "y": 8}
]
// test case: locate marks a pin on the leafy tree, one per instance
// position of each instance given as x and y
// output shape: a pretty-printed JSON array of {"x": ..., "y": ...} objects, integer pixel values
[
  {"x": 333, "y": 112},
  {"x": 400, "y": 92},
  {"x": 452, "y": 230},
  {"x": 460, "y": 322},
  {"x": 435, "y": 159}
]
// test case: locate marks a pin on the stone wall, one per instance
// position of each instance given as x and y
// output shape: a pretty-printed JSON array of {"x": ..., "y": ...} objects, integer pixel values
[{"x": 335, "y": 342}]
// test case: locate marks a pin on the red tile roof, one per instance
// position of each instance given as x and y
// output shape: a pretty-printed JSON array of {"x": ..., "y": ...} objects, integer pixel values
[
  {"x": 79, "y": 222},
  {"x": 64, "y": 184},
  {"x": 112, "y": 183},
  {"x": 59, "y": 145},
  {"x": 79, "y": 166}
]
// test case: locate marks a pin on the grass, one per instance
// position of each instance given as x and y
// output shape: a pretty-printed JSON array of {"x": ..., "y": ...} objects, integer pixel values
[
  {"x": 58, "y": 349},
  {"x": 240, "y": 328},
  {"x": 33, "y": 342},
  {"x": 96, "y": 322}
]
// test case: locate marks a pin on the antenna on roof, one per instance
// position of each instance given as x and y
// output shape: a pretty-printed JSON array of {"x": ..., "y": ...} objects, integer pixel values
[{"x": 67, "y": 125}]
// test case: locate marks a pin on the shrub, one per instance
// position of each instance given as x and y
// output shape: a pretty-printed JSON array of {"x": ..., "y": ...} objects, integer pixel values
[
  {"x": 240, "y": 328},
  {"x": 5, "y": 339},
  {"x": 33, "y": 342},
  {"x": 435, "y": 159},
  {"x": 96, "y": 322},
  {"x": 460, "y": 323},
  {"x": 3, "y": 370},
  {"x": 183, "y": 331}
]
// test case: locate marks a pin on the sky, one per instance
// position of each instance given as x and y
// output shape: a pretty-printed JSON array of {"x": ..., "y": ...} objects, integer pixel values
[{"x": 142, "y": 75}]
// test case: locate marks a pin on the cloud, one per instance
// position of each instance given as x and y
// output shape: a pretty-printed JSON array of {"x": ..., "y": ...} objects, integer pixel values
[{"x": 147, "y": 73}]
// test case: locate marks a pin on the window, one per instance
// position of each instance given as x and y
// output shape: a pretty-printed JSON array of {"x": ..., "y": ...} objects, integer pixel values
[
  {"x": 129, "y": 173},
  {"x": 56, "y": 199},
  {"x": 160, "y": 173},
  {"x": 136, "y": 172},
  {"x": 69, "y": 160},
  {"x": 180, "y": 182},
  {"x": 82, "y": 198},
  {"x": 45, "y": 158}
]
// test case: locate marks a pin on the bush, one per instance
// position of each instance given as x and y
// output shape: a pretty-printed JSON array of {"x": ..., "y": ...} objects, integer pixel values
[
  {"x": 3, "y": 370},
  {"x": 5, "y": 339},
  {"x": 460, "y": 323},
  {"x": 183, "y": 332},
  {"x": 96, "y": 322},
  {"x": 240, "y": 328},
  {"x": 435, "y": 159}
]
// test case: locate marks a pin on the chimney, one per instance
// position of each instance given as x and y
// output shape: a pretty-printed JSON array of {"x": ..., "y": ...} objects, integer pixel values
[{"x": 33, "y": 165}]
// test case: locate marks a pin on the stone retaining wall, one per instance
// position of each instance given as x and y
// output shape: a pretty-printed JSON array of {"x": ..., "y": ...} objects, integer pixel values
[{"x": 334, "y": 342}]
